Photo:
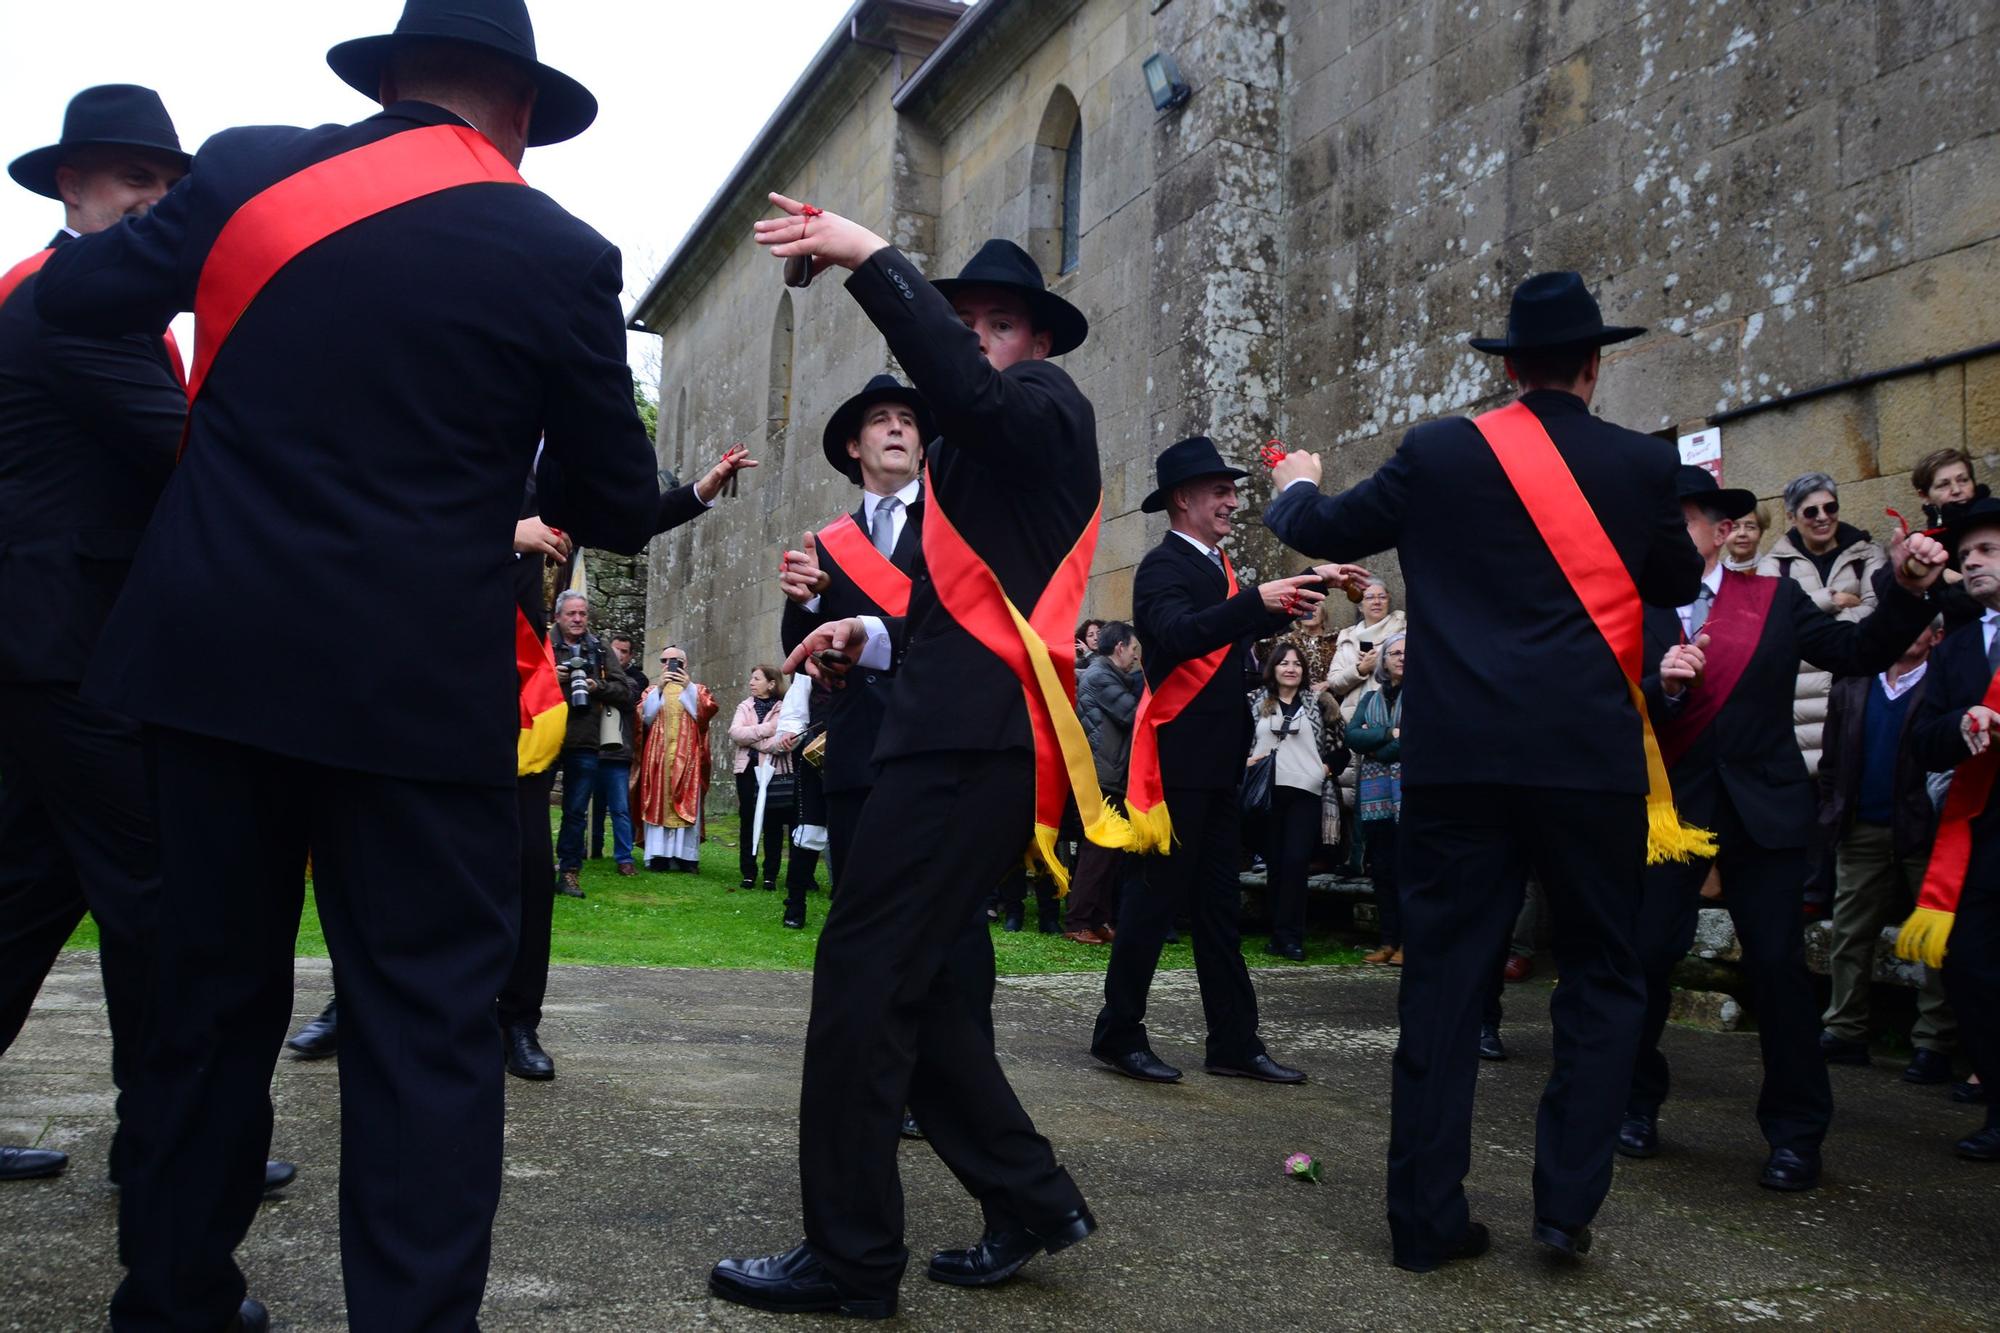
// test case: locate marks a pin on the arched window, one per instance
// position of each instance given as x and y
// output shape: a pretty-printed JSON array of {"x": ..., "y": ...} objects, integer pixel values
[
  {"x": 778, "y": 413},
  {"x": 1055, "y": 183}
]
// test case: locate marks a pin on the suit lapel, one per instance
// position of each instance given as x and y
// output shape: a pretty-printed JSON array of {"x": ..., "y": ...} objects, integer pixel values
[
  {"x": 910, "y": 546},
  {"x": 1212, "y": 576}
]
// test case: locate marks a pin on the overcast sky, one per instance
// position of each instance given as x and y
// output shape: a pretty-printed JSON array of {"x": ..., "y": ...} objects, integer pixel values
[{"x": 682, "y": 87}]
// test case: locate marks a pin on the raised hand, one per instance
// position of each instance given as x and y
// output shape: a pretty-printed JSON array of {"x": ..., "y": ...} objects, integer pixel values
[
  {"x": 828, "y": 652},
  {"x": 800, "y": 575},
  {"x": 1294, "y": 465},
  {"x": 1918, "y": 560},
  {"x": 828, "y": 239},
  {"x": 1293, "y": 597},
  {"x": 1350, "y": 579},
  {"x": 734, "y": 459},
  {"x": 1977, "y": 728}
]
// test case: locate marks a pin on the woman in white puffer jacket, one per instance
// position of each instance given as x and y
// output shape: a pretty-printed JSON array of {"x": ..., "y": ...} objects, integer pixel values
[{"x": 1835, "y": 563}]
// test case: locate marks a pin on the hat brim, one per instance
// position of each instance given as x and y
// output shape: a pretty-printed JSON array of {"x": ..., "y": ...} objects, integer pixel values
[
  {"x": 1156, "y": 503},
  {"x": 36, "y": 171},
  {"x": 1730, "y": 503},
  {"x": 845, "y": 425},
  {"x": 1063, "y": 322},
  {"x": 1603, "y": 337},
  {"x": 564, "y": 108}
]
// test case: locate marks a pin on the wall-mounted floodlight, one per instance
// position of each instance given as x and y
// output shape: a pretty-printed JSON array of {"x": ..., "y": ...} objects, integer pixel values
[{"x": 1163, "y": 80}]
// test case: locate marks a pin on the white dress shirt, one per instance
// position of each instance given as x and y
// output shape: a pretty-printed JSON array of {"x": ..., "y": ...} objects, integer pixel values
[{"x": 1906, "y": 682}]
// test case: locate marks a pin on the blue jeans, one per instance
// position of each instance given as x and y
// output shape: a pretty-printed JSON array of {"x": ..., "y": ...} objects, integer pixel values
[{"x": 583, "y": 775}]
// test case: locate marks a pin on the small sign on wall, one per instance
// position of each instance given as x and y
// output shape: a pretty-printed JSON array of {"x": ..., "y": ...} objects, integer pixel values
[{"x": 1703, "y": 448}]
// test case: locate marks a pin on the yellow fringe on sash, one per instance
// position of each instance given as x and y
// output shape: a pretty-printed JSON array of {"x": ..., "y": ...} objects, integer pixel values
[
  {"x": 1922, "y": 938},
  {"x": 1106, "y": 828},
  {"x": 1667, "y": 838},
  {"x": 1152, "y": 830}
]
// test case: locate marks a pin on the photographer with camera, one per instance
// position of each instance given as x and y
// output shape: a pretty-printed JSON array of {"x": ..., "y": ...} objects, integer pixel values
[{"x": 597, "y": 750}]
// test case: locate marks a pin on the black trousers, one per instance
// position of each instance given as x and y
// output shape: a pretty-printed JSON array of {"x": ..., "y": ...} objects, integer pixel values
[
  {"x": 76, "y": 832},
  {"x": 775, "y": 823},
  {"x": 1291, "y": 837},
  {"x": 1380, "y": 841},
  {"x": 843, "y": 816},
  {"x": 890, "y": 1028},
  {"x": 1197, "y": 877},
  {"x": 418, "y": 891},
  {"x": 527, "y": 982},
  {"x": 1465, "y": 851},
  {"x": 1972, "y": 981},
  {"x": 1765, "y": 893}
]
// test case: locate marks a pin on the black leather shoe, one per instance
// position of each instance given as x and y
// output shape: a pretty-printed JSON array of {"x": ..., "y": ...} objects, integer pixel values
[
  {"x": 277, "y": 1175},
  {"x": 1981, "y": 1147},
  {"x": 31, "y": 1163},
  {"x": 794, "y": 1282},
  {"x": 1968, "y": 1093},
  {"x": 911, "y": 1129},
  {"x": 1471, "y": 1245},
  {"x": 1843, "y": 1050},
  {"x": 1142, "y": 1065},
  {"x": 525, "y": 1056},
  {"x": 1928, "y": 1068},
  {"x": 1790, "y": 1171},
  {"x": 1295, "y": 952},
  {"x": 1639, "y": 1136},
  {"x": 1490, "y": 1045},
  {"x": 1260, "y": 1067},
  {"x": 1569, "y": 1242},
  {"x": 795, "y": 921},
  {"x": 317, "y": 1039},
  {"x": 1012, "y": 922},
  {"x": 1001, "y": 1252},
  {"x": 251, "y": 1317}
]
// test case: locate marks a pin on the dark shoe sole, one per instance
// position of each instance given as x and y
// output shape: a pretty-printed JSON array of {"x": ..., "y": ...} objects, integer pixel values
[
  {"x": 1788, "y": 1186},
  {"x": 1636, "y": 1153},
  {"x": 1072, "y": 1232},
  {"x": 851, "y": 1306},
  {"x": 1561, "y": 1243},
  {"x": 531, "y": 1075},
  {"x": 1225, "y": 1071},
  {"x": 1476, "y": 1242},
  {"x": 39, "y": 1173},
  {"x": 312, "y": 1053},
  {"x": 1117, "y": 1068}
]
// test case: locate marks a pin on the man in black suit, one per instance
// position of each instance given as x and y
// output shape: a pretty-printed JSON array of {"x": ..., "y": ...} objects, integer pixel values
[
  {"x": 1521, "y": 747},
  {"x": 876, "y": 440},
  {"x": 1954, "y": 730},
  {"x": 1183, "y": 609},
  {"x": 379, "y": 398},
  {"x": 1014, "y": 475},
  {"x": 1721, "y": 700}
]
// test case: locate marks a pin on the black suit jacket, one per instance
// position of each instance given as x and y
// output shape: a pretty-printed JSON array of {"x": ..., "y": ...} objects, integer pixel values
[
  {"x": 88, "y": 429},
  {"x": 1509, "y": 681},
  {"x": 356, "y": 457},
  {"x": 1182, "y": 609},
  {"x": 1956, "y": 681},
  {"x": 853, "y": 715},
  {"x": 1015, "y": 468},
  {"x": 1748, "y": 755}
]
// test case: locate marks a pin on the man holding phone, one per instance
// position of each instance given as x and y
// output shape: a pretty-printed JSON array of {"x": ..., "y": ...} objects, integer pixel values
[{"x": 674, "y": 766}]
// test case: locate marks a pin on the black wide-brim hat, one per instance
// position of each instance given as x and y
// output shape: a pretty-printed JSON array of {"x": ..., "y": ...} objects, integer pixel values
[
  {"x": 1698, "y": 483},
  {"x": 116, "y": 115},
  {"x": 1554, "y": 310},
  {"x": 1184, "y": 461},
  {"x": 1004, "y": 264},
  {"x": 845, "y": 423},
  {"x": 564, "y": 108},
  {"x": 1959, "y": 520}
]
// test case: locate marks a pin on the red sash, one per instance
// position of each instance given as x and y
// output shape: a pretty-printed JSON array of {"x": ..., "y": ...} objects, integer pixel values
[
  {"x": 284, "y": 220},
  {"x": 1735, "y": 624},
  {"x": 874, "y": 573},
  {"x": 1145, "y": 796},
  {"x": 1924, "y": 934},
  {"x": 1566, "y": 522},
  {"x": 32, "y": 265},
  {"x": 971, "y": 594}
]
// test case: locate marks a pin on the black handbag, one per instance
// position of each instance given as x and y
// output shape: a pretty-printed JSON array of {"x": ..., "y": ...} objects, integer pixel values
[
  {"x": 1258, "y": 780},
  {"x": 781, "y": 799}
]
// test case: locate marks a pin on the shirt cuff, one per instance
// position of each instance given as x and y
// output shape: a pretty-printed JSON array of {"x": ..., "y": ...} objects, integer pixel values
[
  {"x": 706, "y": 504},
  {"x": 877, "y": 654},
  {"x": 1299, "y": 481},
  {"x": 811, "y": 607}
]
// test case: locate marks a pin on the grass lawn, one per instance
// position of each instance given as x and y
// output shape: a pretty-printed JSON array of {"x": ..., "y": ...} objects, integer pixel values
[{"x": 704, "y": 921}]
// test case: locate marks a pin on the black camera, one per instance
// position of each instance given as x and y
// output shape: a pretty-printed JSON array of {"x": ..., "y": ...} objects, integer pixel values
[{"x": 579, "y": 677}]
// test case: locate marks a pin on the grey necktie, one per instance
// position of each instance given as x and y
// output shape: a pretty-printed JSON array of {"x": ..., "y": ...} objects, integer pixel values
[
  {"x": 1699, "y": 615},
  {"x": 1214, "y": 556},
  {"x": 883, "y": 533}
]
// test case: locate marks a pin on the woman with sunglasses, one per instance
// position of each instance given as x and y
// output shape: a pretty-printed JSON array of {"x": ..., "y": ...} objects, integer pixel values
[{"x": 1835, "y": 563}]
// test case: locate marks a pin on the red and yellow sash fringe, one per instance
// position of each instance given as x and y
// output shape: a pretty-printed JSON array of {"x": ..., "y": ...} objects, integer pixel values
[
  {"x": 1924, "y": 935},
  {"x": 1145, "y": 793}
]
